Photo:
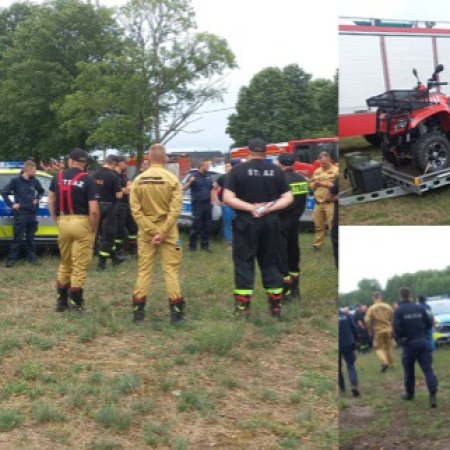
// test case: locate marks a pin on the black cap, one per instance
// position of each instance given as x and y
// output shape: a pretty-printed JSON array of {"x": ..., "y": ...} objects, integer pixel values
[
  {"x": 79, "y": 155},
  {"x": 257, "y": 145},
  {"x": 286, "y": 159}
]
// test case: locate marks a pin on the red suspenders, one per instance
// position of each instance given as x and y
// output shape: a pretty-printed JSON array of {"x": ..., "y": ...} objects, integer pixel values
[{"x": 67, "y": 190}]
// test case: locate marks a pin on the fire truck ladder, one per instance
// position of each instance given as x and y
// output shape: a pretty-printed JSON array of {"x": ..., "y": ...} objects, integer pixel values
[{"x": 400, "y": 184}]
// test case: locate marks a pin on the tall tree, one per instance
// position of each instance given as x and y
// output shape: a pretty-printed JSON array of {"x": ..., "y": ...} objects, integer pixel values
[
  {"x": 40, "y": 64},
  {"x": 169, "y": 71},
  {"x": 280, "y": 105}
]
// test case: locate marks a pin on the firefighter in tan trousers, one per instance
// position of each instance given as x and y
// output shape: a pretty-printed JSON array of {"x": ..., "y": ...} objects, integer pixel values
[
  {"x": 74, "y": 207},
  {"x": 322, "y": 180},
  {"x": 155, "y": 201},
  {"x": 378, "y": 322}
]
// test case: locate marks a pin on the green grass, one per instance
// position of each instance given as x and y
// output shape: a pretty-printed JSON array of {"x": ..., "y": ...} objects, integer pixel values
[
  {"x": 390, "y": 417},
  {"x": 428, "y": 209},
  {"x": 10, "y": 418},
  {"x": 125, "y": 386}
]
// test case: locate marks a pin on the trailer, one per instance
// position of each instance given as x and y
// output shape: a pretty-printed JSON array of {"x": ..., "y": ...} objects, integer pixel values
[
  {"x": 396, "y": 183},
  {"x": 377, "y": 55}
]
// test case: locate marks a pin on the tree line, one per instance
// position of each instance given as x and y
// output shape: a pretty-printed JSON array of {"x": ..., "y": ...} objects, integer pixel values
[
  {"x": 74, "y": 73},
  {"x": 426, "y": 282}
]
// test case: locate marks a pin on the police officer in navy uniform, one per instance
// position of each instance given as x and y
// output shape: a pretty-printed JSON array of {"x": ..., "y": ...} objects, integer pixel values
[
  {"x": 290, "y": 223},
  {"x": 347, "y": 345},
  {"x": 110, "y": 191},
  {"x": 201, "y": 185},
  {"x": 411, "y": 322},
  {"x": 27, "y": 191},
  {"x": 257, "y": 190}
]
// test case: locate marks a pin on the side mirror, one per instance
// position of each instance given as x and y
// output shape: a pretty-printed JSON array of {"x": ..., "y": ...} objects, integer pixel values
[
  {"x": 439, "y": 68},
  {"x": 416, "y": 75}
]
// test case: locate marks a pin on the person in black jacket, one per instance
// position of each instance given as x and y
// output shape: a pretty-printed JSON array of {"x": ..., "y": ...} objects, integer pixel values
[
  {"x": 347, "y": 341},
  {"x": 411, "y": 322},
  {"x": 27, "y": 191},
  {"x": 290, "y": 222},
  {"x": 257, "y": 190}
]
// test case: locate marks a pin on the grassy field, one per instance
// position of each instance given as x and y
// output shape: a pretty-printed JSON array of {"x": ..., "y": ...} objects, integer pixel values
[
  {"x": 100, "y": 382},
  {"x": 430, "y": 208},
  {"x": 380, "y": 419}
]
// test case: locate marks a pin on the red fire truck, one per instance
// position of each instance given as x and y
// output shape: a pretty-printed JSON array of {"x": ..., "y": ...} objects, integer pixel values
[
  {"x": 377, "y": 55},
  {"x": 306, "y": 152}
]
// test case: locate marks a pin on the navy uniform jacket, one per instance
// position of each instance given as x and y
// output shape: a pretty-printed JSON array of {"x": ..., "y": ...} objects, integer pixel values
[
  {"x": 347, "y": 331},
  {"x": 201, "y": 187},
  {"x": 411, "y": 321},
  {"x": 25, "y": 192}
]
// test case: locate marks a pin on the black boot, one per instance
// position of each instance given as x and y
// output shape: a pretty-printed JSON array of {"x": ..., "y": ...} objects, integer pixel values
[
  {"x": 287, "y": 290},
  {"x": 76, "y": 300},
  {"x": 433, "y": 401},
  {"x": 101, "y": 263},
  {"x": 274, "y": 304},
  {"x": 295, "y": 287},
  {"x": 62, "y": 302},
  {"x": 116, "y": 258},
  {"x": 176, "y": 307},
  {"x": 242, "y": 306},
  {"x": 138, "y": 310}
]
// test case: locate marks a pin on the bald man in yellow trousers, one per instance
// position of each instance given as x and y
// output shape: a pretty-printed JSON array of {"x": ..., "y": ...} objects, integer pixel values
[{"x": 155, "y": 202}]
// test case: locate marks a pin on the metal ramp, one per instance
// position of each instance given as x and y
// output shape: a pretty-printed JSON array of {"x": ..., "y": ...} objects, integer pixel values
[{"x": 398, "y": 184}]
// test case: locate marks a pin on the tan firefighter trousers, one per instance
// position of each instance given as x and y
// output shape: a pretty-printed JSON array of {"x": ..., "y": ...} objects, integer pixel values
[{"x": 76, "y": 242}]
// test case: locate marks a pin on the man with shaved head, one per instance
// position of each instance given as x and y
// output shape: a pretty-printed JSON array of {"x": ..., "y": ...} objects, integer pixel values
[{"x": 155, "y": 201}]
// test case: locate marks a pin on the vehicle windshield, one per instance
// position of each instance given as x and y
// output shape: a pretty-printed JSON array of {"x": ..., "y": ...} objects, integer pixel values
[
  {"x": 440, "y": 307},
  {"x": 5, "y": 178}
]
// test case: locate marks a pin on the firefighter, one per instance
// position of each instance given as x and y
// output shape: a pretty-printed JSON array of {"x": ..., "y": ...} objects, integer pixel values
[
  {"x": 322, "y": 180},
  {"x": 201, "y": 186},
  {"x": 122, "y": 234},
  {"x": 378, "y": 321},
  {"x": 256, "y": 190},
  {"x": 73, "y": 205},
  {"x": 290, "y": 222},
  {"x": 155, "y": 201},
  {"x": 27, "y": 191},
  {"x": 110, "y": 191},
  {"x": 411, "y": 323}
]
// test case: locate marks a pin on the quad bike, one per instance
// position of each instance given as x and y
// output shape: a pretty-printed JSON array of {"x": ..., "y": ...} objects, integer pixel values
[{"x": 414, "y": 125}]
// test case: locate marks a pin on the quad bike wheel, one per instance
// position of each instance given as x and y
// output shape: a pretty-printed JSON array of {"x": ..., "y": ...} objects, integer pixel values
[
  {"x": 431, "y": 152},
  {"x": 373, "y": 139}
]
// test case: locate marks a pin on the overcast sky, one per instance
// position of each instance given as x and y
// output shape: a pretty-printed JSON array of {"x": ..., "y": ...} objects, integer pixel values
[
  {"x": 381, "y": 252},
  {"x": 278, "y": 33}
]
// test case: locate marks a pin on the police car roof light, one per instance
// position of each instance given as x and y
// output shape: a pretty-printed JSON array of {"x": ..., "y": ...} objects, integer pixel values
[{"x": 11, "y": 164}]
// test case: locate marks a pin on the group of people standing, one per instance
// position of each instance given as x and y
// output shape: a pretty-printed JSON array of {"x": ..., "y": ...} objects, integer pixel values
[
  {"x": 409, "y": 324},
  {"x": 264, "y": 202}
]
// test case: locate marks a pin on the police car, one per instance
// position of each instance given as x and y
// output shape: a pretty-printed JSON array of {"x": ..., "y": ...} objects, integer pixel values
[
  {"x": 441, "y": 313},
  {"x": 185, "y": 219},
  {"x": 47, "y": 231}
]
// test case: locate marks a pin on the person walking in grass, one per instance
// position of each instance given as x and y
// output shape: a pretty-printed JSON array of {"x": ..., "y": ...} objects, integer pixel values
[
  {"x": 411, "y": 323},
  {"x": 347, "y": 346},
  {"x": 378, "y": 322}
]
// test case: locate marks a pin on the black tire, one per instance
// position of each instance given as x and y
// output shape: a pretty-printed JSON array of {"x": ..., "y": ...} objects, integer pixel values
[
  {"x": 373, "y": 139},
  {"x": 431, "y": 152}
]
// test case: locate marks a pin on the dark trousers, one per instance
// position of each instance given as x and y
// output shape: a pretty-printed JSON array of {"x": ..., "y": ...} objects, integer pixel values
[
  {"x": 418, "y": 350},
  {"x": 334, "y": 236},
  {"x": 256, "y": 239},
  {"x": 201, "y": 224},
  {"x": 290, "y": 248},
  {"x": 122, "y": 231},
  {"x": 107, "y": 229},
  {"x": 348, "y": 354},
  {"x": 25, "y": 224}
]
